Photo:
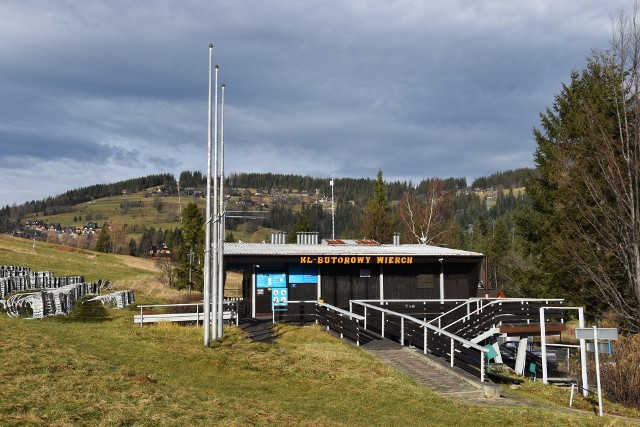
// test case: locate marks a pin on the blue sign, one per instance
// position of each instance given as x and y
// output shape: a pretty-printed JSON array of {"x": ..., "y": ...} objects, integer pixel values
[
  {"x": 280, "y": 298},
  {"x": 271, "y": 280},
  {"x": 303, "y": 274}
]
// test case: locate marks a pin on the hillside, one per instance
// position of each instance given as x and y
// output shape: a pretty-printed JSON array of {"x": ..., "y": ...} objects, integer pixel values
[
  {"x": 151, "y": 217},
  {"x": 60, "y": 371},
  {"x": 123, "y": 271}
]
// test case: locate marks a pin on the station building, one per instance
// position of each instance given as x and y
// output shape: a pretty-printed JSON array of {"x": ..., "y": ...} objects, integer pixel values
[{"x": 337, "y": 271}]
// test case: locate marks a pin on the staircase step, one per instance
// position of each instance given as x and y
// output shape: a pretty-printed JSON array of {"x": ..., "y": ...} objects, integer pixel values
[
  {"x": 430, "y": 372},
  {"x": 489, "y": 333}
]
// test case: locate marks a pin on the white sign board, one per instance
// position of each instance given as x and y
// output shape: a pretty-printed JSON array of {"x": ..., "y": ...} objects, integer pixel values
[
  {"x": 603, "y": 333},
  {"x": 603, "y": 347},
  {"x": 597, "y": 334}
]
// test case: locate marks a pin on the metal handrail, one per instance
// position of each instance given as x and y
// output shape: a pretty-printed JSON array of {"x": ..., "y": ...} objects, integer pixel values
[
  {"x": 171, "y": 305},
  {"x": 197, "y": 304},
  {"x": 507, "y": 301},
  {"x": 435, "y": 329},
  {"x": 492, "y": 301},
  {"x": 426, "y": 325},
  {"x": 412, "y": 300},
  {"x": 331, "y": 307},
  {"x": 457, "y": 307},
  {"x": 462, "y": 300},
  {"x": 467, "y": 302},
  {"x": 439, "y": 301}
]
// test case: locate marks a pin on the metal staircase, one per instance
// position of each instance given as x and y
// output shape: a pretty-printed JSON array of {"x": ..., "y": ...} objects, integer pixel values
[
  {"x": 468, "y": 324},
  {"x": 454, "y": 330}
]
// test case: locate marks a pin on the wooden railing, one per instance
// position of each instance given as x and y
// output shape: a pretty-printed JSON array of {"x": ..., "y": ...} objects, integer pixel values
[{"x": 343, "y": 322}]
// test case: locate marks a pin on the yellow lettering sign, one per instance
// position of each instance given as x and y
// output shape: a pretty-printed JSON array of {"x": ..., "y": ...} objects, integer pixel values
[{"x": 356, "y": 260}]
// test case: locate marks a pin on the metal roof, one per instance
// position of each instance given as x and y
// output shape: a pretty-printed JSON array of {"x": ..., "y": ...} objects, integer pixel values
[
  {"x": 349, "y": 242},
  {"x": 374, "y": 250}
]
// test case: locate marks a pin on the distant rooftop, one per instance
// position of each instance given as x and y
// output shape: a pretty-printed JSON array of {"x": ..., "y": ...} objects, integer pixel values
[{"x": 350, "y": 242}]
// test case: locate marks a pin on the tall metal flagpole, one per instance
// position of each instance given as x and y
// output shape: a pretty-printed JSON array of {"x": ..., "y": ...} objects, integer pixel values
[
  {"x": 214, "y": 264},
  {"x": 207, "y": 244},
  {"x": 221, "y": 223}
]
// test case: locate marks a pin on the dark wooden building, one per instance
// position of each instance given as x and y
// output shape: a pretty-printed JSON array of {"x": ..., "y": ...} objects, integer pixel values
[{"x": 347, "y": 270}]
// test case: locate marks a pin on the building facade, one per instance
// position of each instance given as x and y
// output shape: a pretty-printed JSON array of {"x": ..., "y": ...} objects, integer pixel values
[{"x": 338, "y": 271}]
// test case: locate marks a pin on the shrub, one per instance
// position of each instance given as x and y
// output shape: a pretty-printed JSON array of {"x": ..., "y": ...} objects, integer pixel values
[
  {"x": 620, "y": 371},
  {"x": 89, "y": 311}
]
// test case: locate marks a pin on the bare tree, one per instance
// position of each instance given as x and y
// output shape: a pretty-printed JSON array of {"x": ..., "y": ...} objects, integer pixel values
[
  {"x": 52, "y": 236},
  {"x": 167, "y": 267},
  {"x": 118, "y": 235},
  {"x": 428, "y": 221}
]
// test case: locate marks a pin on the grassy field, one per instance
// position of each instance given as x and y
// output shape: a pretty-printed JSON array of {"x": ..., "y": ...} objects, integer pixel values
[
  {"x": 123, "y": 271},
  {"x": 64, "y": 372},
  {"x": 57, "y": 372},
  {"x": 490, "y": 203},
  {"x": 137, "y": 211}
]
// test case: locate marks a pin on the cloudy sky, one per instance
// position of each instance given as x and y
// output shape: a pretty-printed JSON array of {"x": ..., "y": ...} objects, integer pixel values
[{"x": 99, "y": 91}]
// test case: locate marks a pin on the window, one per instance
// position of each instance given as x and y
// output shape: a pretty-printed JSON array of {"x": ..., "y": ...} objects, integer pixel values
[{"x": 425, "y": 281}]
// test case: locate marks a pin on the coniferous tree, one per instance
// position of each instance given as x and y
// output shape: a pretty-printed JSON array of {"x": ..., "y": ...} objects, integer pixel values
[
  {"x": 103, "y": 244},
  {"x": 378, "y": 221},
  {"x": 133, "y": 247},
  {"x": 584, "y": 224},
  {"x": 191, "y": 252},
  {"x": 146, "y": 241},
  {"x": 302, "y": 225}
]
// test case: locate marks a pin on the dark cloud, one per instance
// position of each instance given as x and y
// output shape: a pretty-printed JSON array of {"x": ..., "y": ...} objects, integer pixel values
[{"x": 98, "y": 91}]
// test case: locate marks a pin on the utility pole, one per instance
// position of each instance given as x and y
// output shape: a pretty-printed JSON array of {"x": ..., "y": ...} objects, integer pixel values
[
  {"x": 190, "y": 267},
  {"x": 333, "y": 213},
  {"x": 179, "y": 202}
]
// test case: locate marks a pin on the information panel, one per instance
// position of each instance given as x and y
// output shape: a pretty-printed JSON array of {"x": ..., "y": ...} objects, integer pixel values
[
  {"x": 280, "y": 298},
  {"x": 271, "y": 280},
  {"x": 303, "y": 274},
  {"x": 603, "y": 333}
]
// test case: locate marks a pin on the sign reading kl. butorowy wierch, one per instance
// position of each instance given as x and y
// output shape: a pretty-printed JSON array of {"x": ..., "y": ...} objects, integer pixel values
[{"x": 356, "y": 259}]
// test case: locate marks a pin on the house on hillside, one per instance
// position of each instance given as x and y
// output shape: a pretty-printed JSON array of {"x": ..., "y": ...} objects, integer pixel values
[
  {"x": 90, "y": 226},
  {"x": 56, "y": 226},
  {"x": 163, "y": 252}
]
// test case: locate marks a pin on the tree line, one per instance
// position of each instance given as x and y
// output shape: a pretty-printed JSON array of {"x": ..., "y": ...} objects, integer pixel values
[
  {"x": 508, "y": 179},
  {"x": 66, "y": 201}
]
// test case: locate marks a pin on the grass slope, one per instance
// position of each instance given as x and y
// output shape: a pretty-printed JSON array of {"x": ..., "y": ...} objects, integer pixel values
[
  {"x": 123, "y": 271},
  {"x": 65, "y": 372},
  {"x": 58, "y": 372},
  {"x": 137, "y": 211}
]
